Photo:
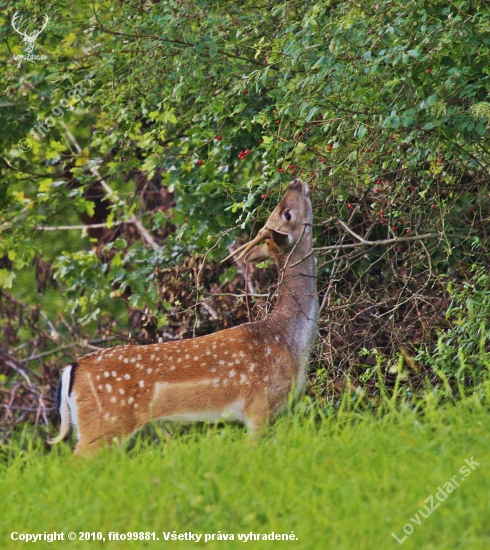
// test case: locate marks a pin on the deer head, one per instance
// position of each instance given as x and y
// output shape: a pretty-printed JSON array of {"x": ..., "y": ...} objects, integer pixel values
[{"x": 288, "y": 226}]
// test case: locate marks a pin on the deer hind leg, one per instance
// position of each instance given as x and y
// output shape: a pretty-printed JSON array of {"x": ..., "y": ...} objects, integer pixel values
[
  {"x": 89, "y": 448},
  {"x": 96, "y": 432}
]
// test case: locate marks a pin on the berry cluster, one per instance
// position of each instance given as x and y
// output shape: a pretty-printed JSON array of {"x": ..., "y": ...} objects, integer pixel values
[{"x": 243, "y": 154}]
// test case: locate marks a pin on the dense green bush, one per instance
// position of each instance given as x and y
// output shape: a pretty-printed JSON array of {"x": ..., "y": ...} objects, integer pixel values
[
  {"x": 174, "y": 122},
  {"x": 463, "y": 350}
]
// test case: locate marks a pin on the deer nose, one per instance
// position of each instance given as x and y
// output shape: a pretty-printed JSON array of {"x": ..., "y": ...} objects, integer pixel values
[{"x": 299, "y": 185}]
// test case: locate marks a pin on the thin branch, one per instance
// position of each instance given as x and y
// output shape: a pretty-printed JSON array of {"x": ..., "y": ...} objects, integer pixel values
[{"x": 379, "y": 242}]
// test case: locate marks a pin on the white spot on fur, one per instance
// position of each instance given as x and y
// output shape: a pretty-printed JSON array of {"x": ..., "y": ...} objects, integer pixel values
[
  {"x": 121, "y": 391},
  {"x": 130, "y": 400},
  {"x": 108, "y": 387},
  {"x": 113, "y": 399},
  {"x": 106, "y": 374},
  {"x": 127, "y": 376},
  {"x": 142, "y": 383},
  {"x": 232, "y": 373}
]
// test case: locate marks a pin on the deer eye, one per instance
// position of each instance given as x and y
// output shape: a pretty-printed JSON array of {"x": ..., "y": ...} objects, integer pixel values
[{"x": 287, "y": 215}]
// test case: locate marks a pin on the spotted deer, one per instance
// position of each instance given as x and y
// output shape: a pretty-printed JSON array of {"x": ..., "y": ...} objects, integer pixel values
[{"x": 244, "y": 374}]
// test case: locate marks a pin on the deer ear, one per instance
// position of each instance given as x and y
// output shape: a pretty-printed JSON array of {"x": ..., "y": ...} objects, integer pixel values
[
  {"x": 280, "y": 239},
  {"x": 257, "y": 255}
]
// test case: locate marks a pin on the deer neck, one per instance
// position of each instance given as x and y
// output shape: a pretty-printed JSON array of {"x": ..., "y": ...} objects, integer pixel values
[{"x": 296, "y": 310}]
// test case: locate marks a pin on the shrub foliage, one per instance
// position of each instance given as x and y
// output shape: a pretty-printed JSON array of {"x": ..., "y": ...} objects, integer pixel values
[{"x": 151, "y": 128}]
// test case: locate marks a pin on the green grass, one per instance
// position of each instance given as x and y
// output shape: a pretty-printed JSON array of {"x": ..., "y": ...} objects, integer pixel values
[{"x": 345, "y": 482}]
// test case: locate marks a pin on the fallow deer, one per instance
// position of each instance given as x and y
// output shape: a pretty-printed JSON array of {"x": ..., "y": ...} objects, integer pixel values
[{"x": 244, "y": 374}]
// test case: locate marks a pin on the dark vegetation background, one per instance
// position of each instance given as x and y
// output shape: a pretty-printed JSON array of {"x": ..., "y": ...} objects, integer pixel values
[{"x": 175, "y": 126}]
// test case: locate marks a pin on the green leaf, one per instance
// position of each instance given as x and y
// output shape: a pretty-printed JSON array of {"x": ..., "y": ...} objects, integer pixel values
[{"x": 6, "y": 278}]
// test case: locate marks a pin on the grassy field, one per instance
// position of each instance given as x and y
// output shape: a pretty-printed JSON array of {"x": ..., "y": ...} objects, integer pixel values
[{"x": 346, "y": 482}]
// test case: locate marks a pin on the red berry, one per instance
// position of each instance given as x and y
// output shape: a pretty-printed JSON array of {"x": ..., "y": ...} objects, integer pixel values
[
  {"x": 368, "y": 150},
  {"x": 200, "y": 162},
  {"x": 369, "y": 163},
  {"x": 408, "y": 230},
  {"x": 246, "y": 92},
  {"x": 323, "y": 161},
  {"x": 432, "y": 205},
  {"x": 278, "y": 122},
  {"x": 412, "y": 188},
  {"x": 378, "y": 190},
  {"x": 394, "y": 228},
  {"x": 264, "y": 196},
  {"x": 330, "y": 146},
  {"x": 291, "y": 166},
  {"x": 298, "y": 135},
  {"x": 379, "y": 180},
  {"x": 219, "y": 138},
  {"x": 428, "y": 71},
  {"x": 407, "y": 223},
  {"x": 248, "y": 151},
  {"x": 281, "y": 170},
  {"x": 389, "y": 152},
  {"x": 261, "y": 140},
  {"x": 382, "y": 213},
  {"x": 350, "y": 206}
]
